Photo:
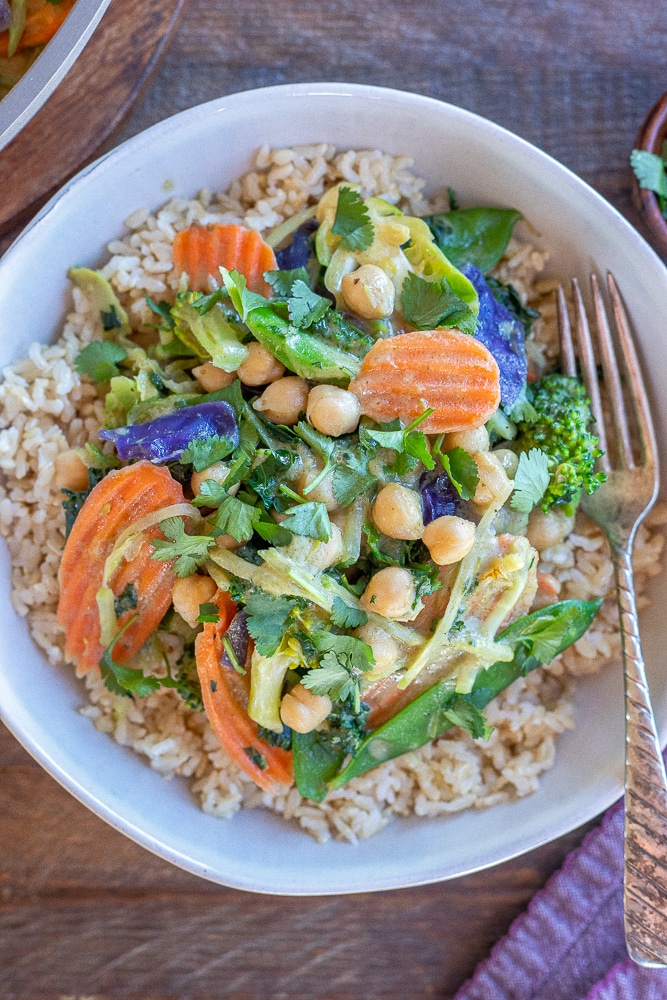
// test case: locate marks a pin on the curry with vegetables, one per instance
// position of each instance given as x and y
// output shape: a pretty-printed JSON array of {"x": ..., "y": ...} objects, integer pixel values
[{"x": 325, "y": 468}]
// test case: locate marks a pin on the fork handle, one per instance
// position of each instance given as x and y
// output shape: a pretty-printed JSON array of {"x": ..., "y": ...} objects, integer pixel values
[{"x": 645, "y": 875}]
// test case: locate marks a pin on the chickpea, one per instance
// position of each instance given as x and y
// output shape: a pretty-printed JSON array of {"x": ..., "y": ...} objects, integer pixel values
[
  {"x": 369, "y": 292},
  {"x": 227, "y": 542},
  {"x": 283, "y": 401},
  {"x": 385, "y": 649},
  {"x": 304, "y": 711},
  {"x": 547, "y": 529},
  {"x": 449, "y": 539},
  {"x": 71, "y": 472},
  {"x": 188, "y": 593},
  {"x": 397, "y": 512},
  {"x": 326, "y": 554},
  {"x": 508, "y": 459},
  {"x": 333, "y": 411},
  {"x": 211, "y": 378},
  {"x": 492, "y": 478},
  {"x": 323, "y": 492},
  {"x": 473, "y": 441},
  {"x": 260, "y": 367},
  {"x": 391, "y": 592},
  {"x": 218, "y": 472}
]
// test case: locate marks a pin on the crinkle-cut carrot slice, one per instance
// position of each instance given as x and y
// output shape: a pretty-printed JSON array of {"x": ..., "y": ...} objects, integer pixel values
[
  {"x": 42, "y": 21},
  {"x": 225, "y": 696},
  {"x": 121, "y": 498},
  {"x": 449, "y": 371},
  {"x": 200, "y": 251}
]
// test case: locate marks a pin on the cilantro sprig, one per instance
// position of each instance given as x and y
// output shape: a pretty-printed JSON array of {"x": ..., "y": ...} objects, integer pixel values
[
  {"x": 430, "y": 304},
  {"x": 531, "y": 480},
  {"x": 461, "y": 468},
  {"x": 305, "y": 307},
  {"x": 99, "y": 360},
  {"x": 344, "y": 661},
  {"x": 352, "y": 221},
  {"x": 189, "y": 551}
]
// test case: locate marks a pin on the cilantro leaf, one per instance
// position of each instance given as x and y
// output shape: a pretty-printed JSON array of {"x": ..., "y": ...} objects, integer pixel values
[
  {"x": 237, "y": 518},
  {"x": 208, "y": 613},
  {"x": 162, "y": 309},
  {"x": 189, "y": 551},
  {"x": 310, "y": 519},
  {"x": 320, "y": 443},
  {"x": 349, "y": 482},
  {"x": 352, "y": 221},
  {"x": 98, "y": 360},
  {"x": 331, "y": 677},
  {"x": 430, "y": 304},
  {"x": 243, "y": 300},
  {"x": 406, "y": 441},
  {"x": 345, "y": 616},
  {"x": 267, "y": 618},
  {"x": 360, "y": 653},
  {"x": 282, "y": 282},
  {"x": 123, "y": 680},
  {"x": 531, "y": 480},
  {"x": 462, "y": 470},
  {"x": 273, "y": 533},
  {"x": 211, "y": 494},
  {"x": 306, "y": 307},
  {"x": 205, "y": 451},
  {"x": 522, "y": 409},
  {"x": 344, "y": 661},
  {"x": 465, "y": 715},
  {"x": 650, "y": 171},
  {"x": 266, "y": 477}
]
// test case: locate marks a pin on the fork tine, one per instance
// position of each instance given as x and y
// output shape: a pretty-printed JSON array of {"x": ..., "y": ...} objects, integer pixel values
[
  {"x": 612, "y": 379},
  {"x": 637, "y": 387},
  {"x": 567, "y": 361},
  {"x": 589, "y": 370}
]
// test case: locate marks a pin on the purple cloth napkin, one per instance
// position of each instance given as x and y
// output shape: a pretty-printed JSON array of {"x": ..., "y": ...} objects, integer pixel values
[{"x": 569, "y": 943}]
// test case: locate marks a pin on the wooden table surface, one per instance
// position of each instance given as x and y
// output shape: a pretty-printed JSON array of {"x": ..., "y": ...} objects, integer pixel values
[{"x": 83, "y": 911}]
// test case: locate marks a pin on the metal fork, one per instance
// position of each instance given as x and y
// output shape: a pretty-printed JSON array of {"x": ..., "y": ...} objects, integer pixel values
[{"x": 618, "y": 507}]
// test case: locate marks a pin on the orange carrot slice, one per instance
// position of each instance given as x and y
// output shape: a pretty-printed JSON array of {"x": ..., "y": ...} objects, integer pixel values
[
  {"x": 225, "y": 695},
  {"x": 121, "y": 498},
  {"x": 200, "y": 251},
  {"x": 42, "y": 21},
  {"x": 449, "y": 371}
]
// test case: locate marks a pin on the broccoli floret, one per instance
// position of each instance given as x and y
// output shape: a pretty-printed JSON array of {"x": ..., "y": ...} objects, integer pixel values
[{"x": 556, "y": 421}]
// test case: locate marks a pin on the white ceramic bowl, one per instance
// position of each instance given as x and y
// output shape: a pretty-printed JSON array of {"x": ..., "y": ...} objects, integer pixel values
[{"x": 207, "y": 147}]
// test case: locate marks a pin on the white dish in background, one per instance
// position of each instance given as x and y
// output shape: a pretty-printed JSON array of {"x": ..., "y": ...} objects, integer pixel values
[
  {"x": 484, "y": 164},
  {"x": 27, "y": 96}
]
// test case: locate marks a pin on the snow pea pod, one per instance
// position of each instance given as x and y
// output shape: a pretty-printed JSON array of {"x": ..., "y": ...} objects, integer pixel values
[
  {"x": 537, "y": 638},
  {"x": 299, "y": 351}
]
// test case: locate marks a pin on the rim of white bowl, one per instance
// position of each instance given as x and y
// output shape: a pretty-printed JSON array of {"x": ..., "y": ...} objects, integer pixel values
[{"x": 611, "y": 789}]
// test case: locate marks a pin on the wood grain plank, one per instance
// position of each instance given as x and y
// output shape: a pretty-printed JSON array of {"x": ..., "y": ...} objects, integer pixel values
[{"x": 84, "y": 912}]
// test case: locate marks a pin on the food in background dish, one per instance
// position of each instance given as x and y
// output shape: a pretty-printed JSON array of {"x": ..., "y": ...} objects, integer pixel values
[
  {"x": 25, "y": 28},
  {"x": 326, "y": 507}
]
